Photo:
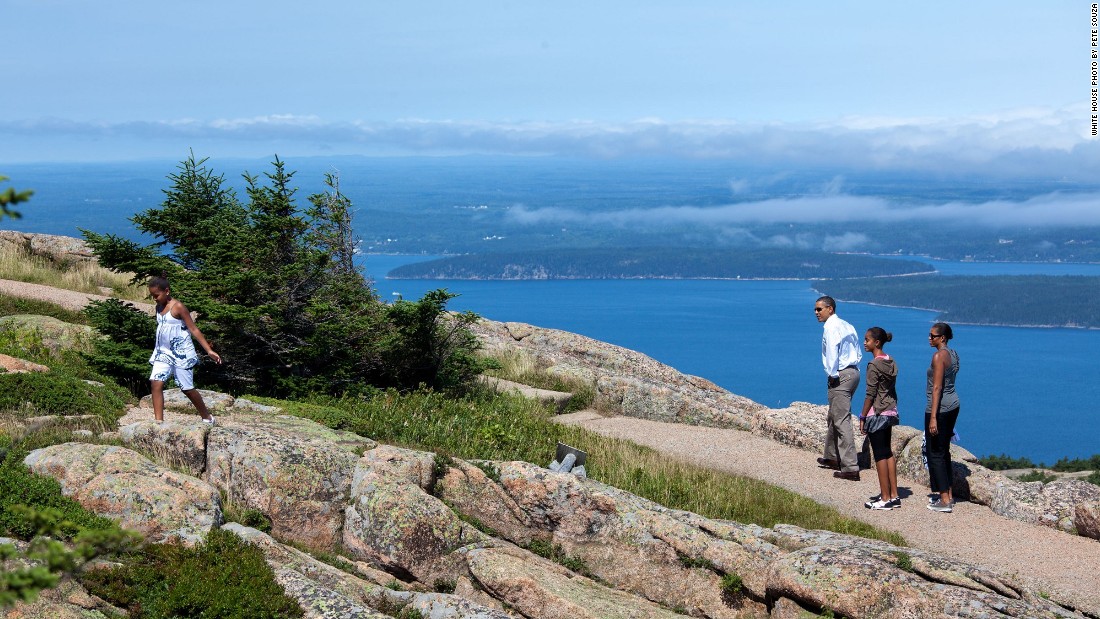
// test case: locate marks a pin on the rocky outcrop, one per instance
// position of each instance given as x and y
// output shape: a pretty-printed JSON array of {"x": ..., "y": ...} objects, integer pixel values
[
  {"x": 506, "y": 537},
  {"x": 57, "y": 335},
  {"x": 124, "y": 485},
  {"x": 15, "y": 365},
  {"x": 624, "y": 380},
  {"x": 324, "y": 591},
  {"x": 295, "y": 471},
  {"x": 178, "y": 444},
  {"x": 634, "y": 385},
  {"x": 64, "y": 249}
]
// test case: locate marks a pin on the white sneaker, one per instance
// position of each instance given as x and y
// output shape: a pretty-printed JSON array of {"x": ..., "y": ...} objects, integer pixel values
[
  {"x": 209, "y": 421},
  {"x": 882, "y": 505}
]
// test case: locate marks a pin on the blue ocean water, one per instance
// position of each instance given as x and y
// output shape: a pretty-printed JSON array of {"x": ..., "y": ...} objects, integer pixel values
[{"x": 1026, "y": 392}]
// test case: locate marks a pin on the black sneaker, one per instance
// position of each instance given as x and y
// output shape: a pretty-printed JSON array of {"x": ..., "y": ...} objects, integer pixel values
[{"x": 895, "y": 503}]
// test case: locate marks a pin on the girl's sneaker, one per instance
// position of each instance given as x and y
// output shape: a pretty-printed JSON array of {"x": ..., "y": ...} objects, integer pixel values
[
  {"x": 209, "y": 421},
  {"x": 940, "y": 506}
]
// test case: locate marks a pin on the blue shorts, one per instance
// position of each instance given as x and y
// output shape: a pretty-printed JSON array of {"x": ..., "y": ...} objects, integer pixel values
[{"x": 185, "y": 377}]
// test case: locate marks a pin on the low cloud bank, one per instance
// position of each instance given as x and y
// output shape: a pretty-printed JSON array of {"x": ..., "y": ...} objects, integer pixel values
[
  {"x": 1012, "y": 143},
  {"x": 1054, "y": 209}
]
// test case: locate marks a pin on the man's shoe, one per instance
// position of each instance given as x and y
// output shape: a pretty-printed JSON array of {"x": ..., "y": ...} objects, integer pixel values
[
  {"x": 825, "y": 463},
  {"x": 849, "y": 475},
  {"x": 883, "y": 505},
  {"x": 895, "y": 503}
]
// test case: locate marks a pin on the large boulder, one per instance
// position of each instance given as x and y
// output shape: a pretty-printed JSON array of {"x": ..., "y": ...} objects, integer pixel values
[
  {"x": 540, "y": 589},
  {"x": 1062, "y": 504},
  {"x": 393, "y": 523},
  {"x": 625, "y": 380},
  {"x": 124, "y": 485},
  {"x": 63, "y": 249},
  {"x": 324, "y": 591},
  {"x": 57, "y": 335},
  {"x": 15, "y": 365},
  {"x": 297, "y": 472},
  {"x": 800, "y": 425},
  {"x": 1086, "y": 519},
  {"x": 628, "y": 542},
  {"x": 177, "y": 444}
]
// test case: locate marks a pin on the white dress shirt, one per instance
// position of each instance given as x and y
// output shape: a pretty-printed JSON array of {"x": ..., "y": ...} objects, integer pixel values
[{"x": 839, "y": 346}]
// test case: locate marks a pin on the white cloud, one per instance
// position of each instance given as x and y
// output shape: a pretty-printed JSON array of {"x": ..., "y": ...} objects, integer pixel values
[
  {"x": 1054, "y": 209},
  {"x": 1028, "y": 141}
]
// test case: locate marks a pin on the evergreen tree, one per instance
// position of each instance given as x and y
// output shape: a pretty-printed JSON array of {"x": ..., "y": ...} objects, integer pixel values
[{"x": 277, "y": 289}]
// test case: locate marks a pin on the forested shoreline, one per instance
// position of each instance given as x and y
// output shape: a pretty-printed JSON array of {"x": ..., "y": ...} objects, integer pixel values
[
  {"x": 659, "y": 263},
  {"x": 1070, "y": 301}
]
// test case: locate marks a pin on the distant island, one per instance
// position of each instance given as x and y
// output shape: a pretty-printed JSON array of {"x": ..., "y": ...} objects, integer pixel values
[
  {"x": 1011, "y": 300},
  {"x": 659, "y": 263}
]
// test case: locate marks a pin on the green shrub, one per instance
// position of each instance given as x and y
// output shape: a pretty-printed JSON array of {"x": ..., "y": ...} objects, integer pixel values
[
  {"x": 1037, "y": 476},
  {"x": 732, "y": 584},
  {"x": 1065, "y": 465},
  {"x": 224, "y": 577},
  {"x": 557, "y": 554},
  {"x": 1094, "y": 478},
  {"x": 124, "y": 353},
  {"x": 1005, "y": 462},
  {"x": 903, "y": 560},
  {"x": 19, "y": 486},
  {"x": 57, "y": 393}
]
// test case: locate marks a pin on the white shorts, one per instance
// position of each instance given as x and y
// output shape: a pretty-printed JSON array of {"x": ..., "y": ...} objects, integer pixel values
[{"x": 185, "y": 377}]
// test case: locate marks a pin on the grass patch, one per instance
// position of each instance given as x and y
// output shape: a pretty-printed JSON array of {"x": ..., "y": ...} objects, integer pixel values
[
  {"x": 16, "y": 263},
  {"x": 11, "y": 306},
  {"x": 1093, "y": 478},
  {"x": 485, "y": 426},
  {"x": 557, "y": 554},
  {"x": 732, "y": 584},
  {"x": 520, "y": 367},
  {"x": 248, "y": 516},
  {"x": 903, "y": 560},
  {"x": 222, "y": 577}
]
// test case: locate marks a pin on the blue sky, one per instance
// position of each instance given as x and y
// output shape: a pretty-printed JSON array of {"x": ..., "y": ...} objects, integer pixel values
[{"x": 871, "y": 83}]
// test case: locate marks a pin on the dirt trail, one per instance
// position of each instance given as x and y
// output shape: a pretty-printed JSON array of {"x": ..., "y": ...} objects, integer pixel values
[
  {"x": 68, "y": 299},
  {"x": 1066, "y": 566}
]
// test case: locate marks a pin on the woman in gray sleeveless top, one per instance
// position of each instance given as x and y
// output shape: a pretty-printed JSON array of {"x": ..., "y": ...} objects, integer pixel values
[{"x": 941, "y": 415}]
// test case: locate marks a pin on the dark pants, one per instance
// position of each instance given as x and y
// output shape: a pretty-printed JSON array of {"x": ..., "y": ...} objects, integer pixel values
[{"x": 940, "y": 476}]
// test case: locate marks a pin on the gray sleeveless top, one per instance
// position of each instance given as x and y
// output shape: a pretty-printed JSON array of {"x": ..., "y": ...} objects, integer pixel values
[{"x": 949, "y": 400}]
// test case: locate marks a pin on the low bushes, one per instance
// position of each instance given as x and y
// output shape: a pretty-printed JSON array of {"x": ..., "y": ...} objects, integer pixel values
[
  {"x": 57, "y": 393},
  {"x": 221, "y": 578}
]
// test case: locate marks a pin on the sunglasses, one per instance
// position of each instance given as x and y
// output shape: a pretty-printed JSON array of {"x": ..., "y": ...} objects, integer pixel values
[{"x": 933, "y": 336}]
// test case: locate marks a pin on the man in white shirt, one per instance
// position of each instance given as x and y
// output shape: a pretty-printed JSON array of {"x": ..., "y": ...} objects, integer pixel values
[{"x": 840, "y": 355}]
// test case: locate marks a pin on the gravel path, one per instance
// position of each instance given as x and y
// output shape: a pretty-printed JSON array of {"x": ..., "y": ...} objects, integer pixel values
[
  {"x": 1065, "y": 566},
  {"x": 65, "y": 298}
]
